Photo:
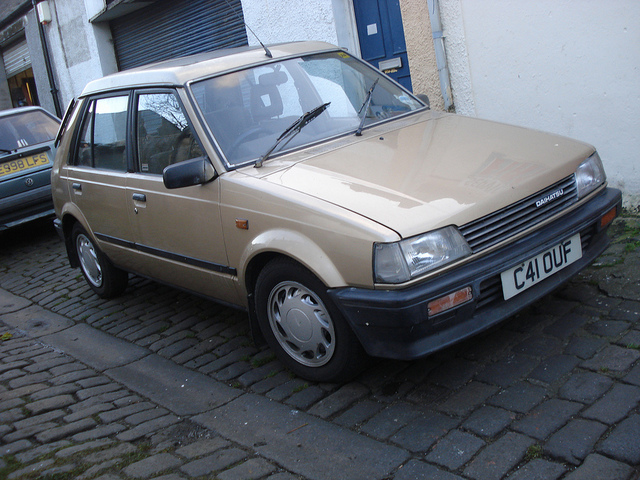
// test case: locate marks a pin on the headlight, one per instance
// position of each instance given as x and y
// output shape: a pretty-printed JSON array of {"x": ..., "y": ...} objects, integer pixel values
[
  {"x": 401, "y": 261},
  {"x": 590, "y": 175}
]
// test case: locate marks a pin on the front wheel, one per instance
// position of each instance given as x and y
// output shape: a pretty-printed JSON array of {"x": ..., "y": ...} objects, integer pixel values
[
  {"x": 104, "y": 279},
  {"x": 303, "y": 327}
]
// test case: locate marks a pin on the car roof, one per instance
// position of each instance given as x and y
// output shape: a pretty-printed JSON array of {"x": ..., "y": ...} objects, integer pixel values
[
  {"x": 179, "y": 71},
  {"x": 18, "y": 110}
]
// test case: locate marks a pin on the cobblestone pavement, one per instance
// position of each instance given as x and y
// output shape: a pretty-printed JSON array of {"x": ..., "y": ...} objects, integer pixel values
[{"x": 162, "y": 384}]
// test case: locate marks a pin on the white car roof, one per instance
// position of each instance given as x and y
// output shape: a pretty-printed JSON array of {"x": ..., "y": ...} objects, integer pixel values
[{"x": 179, "y": 71}]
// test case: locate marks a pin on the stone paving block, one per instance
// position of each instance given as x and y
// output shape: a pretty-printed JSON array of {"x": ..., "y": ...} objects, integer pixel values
[
  {"x": 455, "y": 449},
  {"x": 123, "y": 412},
  {"x": 339, "y": 400},
  {"x": 14, "y": 447},
  {"x": 28, "y": 432},
  {"x": 554, "y": 368},
  {"x": 110, "y": 453},
  {"x": 633, "y": 376},
  {"x": 390, "y": 420},
  {"x": 271, "y": 382},
  {"x": 507, "y": 370},
  {"x": 152, "y": 465},
  {"x": 538, "y": 346},
  {"x": 467, "y": 399},
  {"x": 585, "y": 387},
  {"x": 234, "y": 370},
  {"x": 495, "y": 460},
  {"x": 520, "y": 397},
  {"x": 417, "y": 470},
  {"x": 38, "y": 419},
  {"x": 99, "y": 432},
  {"x": 29, "y": 380},
  {"x": 252, "y": 469},
  {"x": 612, "y": 358},
  {"x": 624, "y": 442},
  {"x": 584, "y": 347},
  {"x": 94, "y": 381},
  {"x": 145, "y": 416},
  {"x": 260, "y": 373},
  {"x": 54, "y": 392},
  {"x": 602, "y": 468},
  {"x": 64, "y": 431},
  {"x": 202, "y": 447},
  {"x": 30, "y": 469},
  {"x": 305, "y": 397},
  {"x": 489, "y": 421},
  {"x": 574, "y": 441},
  {"x": 147, "y": 428},
  {"x": 566, "y": 326},
  {"x": 31, "y": 454},
  {"x": 608, "y": 328},
  {"x": 73, "y": 376},
  {"x": 547, "y": 418},
  {"x": 454, "y": 373},
  {"x": 615, "y": 405},
  {"x": 11, "y": 403},
  {"x": 358, "y": 413},
  {"x": 88, "y": 412},
  {"x": 83, "y": 447},
  {"x": 96, "y": 391},
  {"x": 220, "y": 460},
  {"x": 424, "y": 431},
  {"x": 539, "y": 469}
]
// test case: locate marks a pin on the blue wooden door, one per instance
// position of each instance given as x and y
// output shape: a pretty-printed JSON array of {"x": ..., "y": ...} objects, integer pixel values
[{"x": 382, "y": 37}]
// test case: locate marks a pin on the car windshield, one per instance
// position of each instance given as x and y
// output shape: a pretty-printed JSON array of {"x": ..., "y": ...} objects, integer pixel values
[
  {"x": 25, "y": 129},
  {"x": 249, "y": 109}
]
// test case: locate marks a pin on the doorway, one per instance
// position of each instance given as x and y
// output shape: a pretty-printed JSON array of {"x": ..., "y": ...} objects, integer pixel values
[{"x": 381, "y": 36}]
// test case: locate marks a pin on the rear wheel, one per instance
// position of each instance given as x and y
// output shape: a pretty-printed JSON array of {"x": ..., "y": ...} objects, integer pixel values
[
  {"x": 303, "y": 327},
  {"x": 104, "y": 279}
]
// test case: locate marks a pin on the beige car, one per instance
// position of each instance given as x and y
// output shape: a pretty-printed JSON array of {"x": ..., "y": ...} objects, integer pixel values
[{"x": 303, "y": 186}]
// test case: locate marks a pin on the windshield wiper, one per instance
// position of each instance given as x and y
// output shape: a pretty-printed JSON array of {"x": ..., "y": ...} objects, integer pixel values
[
  {"x": 365, "y": 108},
  {"x": 4, "y": 150},
  {"x": 293, "y": 129}
]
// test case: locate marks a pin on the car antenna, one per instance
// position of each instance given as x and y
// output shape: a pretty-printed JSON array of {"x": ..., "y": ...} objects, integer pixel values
[{"x": 266, "y": 50}]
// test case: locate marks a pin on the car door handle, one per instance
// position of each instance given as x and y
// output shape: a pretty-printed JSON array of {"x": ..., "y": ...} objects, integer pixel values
[
  {"x": 77, "y": 186},
  {"x": 139, "y": 197}
]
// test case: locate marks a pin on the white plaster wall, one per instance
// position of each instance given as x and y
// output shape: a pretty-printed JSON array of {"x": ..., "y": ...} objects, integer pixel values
[
  {"x": 277, "y": 21},
  {"x": 80, "y": 51},
  {"x": 567, "y": 66}
]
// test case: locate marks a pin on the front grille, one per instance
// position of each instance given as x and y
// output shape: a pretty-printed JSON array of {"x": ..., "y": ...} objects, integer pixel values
[{"x": 517, "y": 217}]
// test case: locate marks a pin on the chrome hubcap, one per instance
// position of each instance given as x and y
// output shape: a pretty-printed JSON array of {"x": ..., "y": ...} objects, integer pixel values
[
  {"x": 89, "y": 260},
  {"x": 301, "y": 324}
]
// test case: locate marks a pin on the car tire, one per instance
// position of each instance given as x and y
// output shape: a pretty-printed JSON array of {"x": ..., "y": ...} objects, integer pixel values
[
  {"x": 303, "y": 327},
  {"x": 104, "y": 279}
]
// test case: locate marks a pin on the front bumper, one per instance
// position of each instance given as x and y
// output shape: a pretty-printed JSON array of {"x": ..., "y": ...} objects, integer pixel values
[{"x": 395, "y": 323}]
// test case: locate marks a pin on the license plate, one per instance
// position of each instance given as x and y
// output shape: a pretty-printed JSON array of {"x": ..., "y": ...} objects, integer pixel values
[
  {"x": 533, "y": 271},
  {"x": 26, "y": 163}
]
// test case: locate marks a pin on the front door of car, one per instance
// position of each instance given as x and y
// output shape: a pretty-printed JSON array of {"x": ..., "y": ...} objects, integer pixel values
[
  {"x": 97, "y": 176},
  {"x": 178, "y": 232}
]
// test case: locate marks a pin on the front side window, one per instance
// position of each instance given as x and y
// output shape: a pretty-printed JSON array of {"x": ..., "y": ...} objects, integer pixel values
[
  {"x": 102, "y": 140},
  {"x": 163, "y": 134},
  {"x": 249, "y": 109}
]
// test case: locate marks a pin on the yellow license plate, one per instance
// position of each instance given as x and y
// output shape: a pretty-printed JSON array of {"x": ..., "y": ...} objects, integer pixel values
[{"x": 13, "y": 166}]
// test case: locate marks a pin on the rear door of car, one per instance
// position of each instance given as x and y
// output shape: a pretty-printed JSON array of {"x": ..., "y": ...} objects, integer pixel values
[
  {"x": 97, "y": 175},
  {"x": 177, "y": 232}
]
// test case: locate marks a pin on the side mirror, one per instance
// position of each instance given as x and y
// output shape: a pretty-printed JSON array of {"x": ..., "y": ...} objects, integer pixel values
[
  {"x": 195, "y": 171},
  {"x": 424, "y": 99}
]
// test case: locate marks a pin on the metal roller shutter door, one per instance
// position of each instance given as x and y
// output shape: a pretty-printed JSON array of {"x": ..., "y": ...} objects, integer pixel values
[
  {"x": 16, "y": 58},
  {"x": 169, "y": 29}
]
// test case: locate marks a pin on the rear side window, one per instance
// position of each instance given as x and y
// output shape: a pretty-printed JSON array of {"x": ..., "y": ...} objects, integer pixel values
[
  {"x": 102, "y": 138},
  {"x": 163, "y": 134}
]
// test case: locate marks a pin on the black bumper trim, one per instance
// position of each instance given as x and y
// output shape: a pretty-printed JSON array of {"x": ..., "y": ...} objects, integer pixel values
[{"x": 395, "y": 323}]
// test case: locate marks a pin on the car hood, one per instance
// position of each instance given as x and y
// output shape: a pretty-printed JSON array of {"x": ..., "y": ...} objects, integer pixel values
[{"x": 431, "y": 170}]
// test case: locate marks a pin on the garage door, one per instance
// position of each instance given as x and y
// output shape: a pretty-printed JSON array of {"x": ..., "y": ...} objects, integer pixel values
[
  {"x": 16, "y": 58},
  {"x": 169, "y": 29}
]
